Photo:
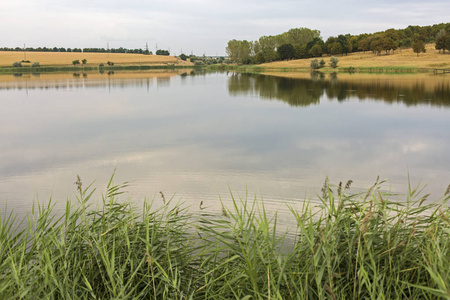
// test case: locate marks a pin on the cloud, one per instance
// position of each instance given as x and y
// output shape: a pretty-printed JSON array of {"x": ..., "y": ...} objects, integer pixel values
[{"x": 200, "y": 25}]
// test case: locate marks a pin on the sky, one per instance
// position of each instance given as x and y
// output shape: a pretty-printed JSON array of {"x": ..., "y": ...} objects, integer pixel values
[{"x": 198, "y": 26}]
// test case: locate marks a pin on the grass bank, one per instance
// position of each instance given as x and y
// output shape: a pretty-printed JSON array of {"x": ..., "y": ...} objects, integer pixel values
[{"x": 353, "y": 246}]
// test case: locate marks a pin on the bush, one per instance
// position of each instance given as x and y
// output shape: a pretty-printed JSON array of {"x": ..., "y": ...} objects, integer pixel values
[
  {"x": 75, "y": 62},
  {"x": 101, "y": 65},
  {"x": 315, "y": 64},
  {"x": 333, "y": 62},
  {"x": 17, "y": 64},
  {"x": 322, "y": 63},
  {"x": 36, "y": 65},
  {"x": 110, "y": 63}
]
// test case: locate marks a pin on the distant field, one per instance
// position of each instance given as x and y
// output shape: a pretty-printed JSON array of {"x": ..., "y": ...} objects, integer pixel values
[
  {"x": 7, "y": 58},
  {"x": 402, "y": 58}
]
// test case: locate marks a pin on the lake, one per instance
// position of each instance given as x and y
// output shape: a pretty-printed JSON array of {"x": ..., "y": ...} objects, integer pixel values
[{"x": 196, "y": 136}]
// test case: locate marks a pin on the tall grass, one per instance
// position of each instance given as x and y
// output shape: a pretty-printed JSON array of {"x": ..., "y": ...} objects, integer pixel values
[{"x": 351, "y": 246}]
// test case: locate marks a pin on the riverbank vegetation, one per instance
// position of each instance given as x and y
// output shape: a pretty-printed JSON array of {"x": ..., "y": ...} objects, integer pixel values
[{"x": 368, "y": 245}]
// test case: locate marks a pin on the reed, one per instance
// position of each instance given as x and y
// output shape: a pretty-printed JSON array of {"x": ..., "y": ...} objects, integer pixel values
[{"x": 350, "y": 246}]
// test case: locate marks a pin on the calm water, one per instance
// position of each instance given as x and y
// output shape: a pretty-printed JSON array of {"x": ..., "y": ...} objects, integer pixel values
[{"x": 197, "y": 136}]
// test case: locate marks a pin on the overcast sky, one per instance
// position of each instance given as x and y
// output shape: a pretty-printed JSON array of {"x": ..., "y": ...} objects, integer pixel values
[{"x": 200, "y": 26}]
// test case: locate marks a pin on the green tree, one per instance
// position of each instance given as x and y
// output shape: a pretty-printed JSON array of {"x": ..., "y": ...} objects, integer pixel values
[
  {"x": 336, "y": 48},
  {"x": 345, "y": 43},
  {"x": 301, "y": 52},
  {"x": 75, "y": 62},
  {"x": 447, "y": 42},
  {"x": 239, "y": 51},
  {"x": 418, "y": 47},
  {"x": 84, "y": 61},
  {"x": 364, "y": 44},
  {"x": 183, "y": 56},
  {"x": 377, "y": 45},
  {"x": 286, "y": 51},
  {"x": 316, "y": 51},
  {"x": 440, "y": 43},
  {"x": 329, "y": 44},
  {"x": 267, "y": 54}
]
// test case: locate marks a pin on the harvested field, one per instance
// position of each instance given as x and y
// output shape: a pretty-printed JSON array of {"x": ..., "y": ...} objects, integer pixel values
[{"x": 7, "y": 58}]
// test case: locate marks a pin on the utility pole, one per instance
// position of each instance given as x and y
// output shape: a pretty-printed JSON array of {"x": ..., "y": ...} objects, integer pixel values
[
  {"x": 24, "y": 53},
  {"x": 107, "y": 49}
]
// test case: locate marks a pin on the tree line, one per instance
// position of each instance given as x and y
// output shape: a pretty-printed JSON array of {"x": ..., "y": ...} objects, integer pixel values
[
  {"x": 302, "y": 42},
  {"x": 89, "y": 50}
]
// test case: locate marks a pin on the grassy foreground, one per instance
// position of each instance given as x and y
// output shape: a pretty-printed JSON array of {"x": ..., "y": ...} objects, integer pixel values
[{"x": 354, "y": 246}]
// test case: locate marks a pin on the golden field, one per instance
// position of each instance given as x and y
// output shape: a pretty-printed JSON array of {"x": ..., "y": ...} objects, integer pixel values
[
  {"x": 402, "y": 58},
  {"x": 7, "y": 58}
]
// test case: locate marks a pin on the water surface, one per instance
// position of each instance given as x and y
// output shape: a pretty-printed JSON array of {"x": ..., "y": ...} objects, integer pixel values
[{"x": 196, "y": 136}]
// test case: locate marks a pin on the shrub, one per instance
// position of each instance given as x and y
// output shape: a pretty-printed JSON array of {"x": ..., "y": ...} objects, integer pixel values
[
  {"x": 75, "y": 62},
  {"x": 110, "y": 63},
  {"x": 101, "y": 65},
  {"x": 36, "y": 65},
  {"x": 315, "y": 64},
  {"x": 322, "y": 63},
  {"x": 333, "y": 62},
  {"x": 17, "y": 64}
]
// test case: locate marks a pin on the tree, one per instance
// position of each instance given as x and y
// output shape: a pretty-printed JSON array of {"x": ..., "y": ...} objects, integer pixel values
[
  {"x": 336, "y": 48},
  {"x": 418, "y": 47},
  {"x": 183, "y": 56},
  {"x": 316, "y": 51},
  {"x": 84, "y": 61},
  {"x": 162, "y": 52},
  {"x": 286, "y": 51},
  {"x": 329, "y": 43},
  {"x": 267, "y": 54},
  {"x": 447, "y": 42},
  {"x": 345, "y": 43},
  {"x": 239, "y": 51},
  {"x": 75, "y": 62},
  {"x": 364, "y": 44}
]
